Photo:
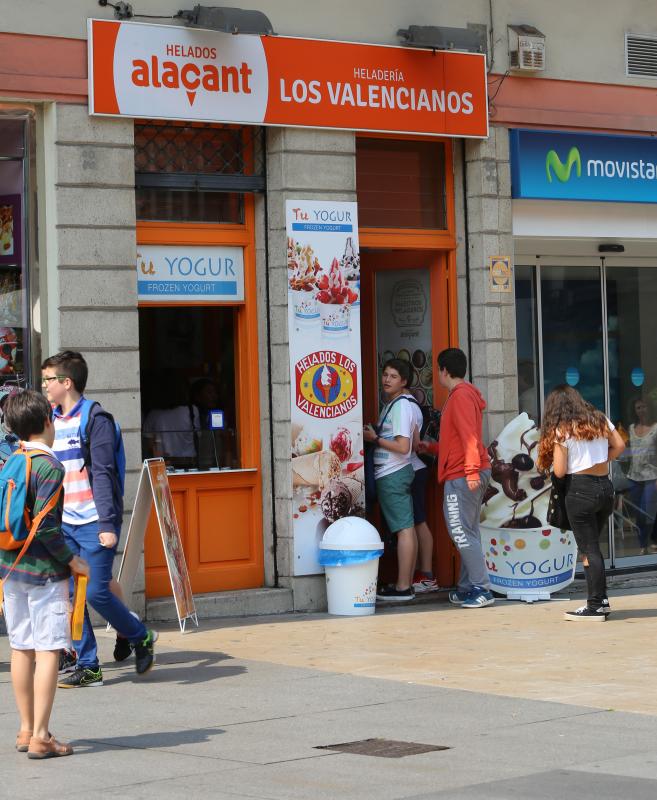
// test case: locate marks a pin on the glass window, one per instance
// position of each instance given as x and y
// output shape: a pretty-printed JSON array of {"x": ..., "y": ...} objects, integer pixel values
[
  {"x": 403, "y": 330},
  {"x": 179, "y": 205},
  {"x": 187, "y": 367},
  {"x": 571, "y": 327},
  {"x": 400, "y": 183},
  {"x": 528, "y": 373},
  {"x": 632, "y": 333},
  {"x": 14, "y": 336}
]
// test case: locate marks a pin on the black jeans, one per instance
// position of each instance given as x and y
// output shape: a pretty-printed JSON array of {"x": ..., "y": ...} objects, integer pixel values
[{"x": 589, "y": 502}]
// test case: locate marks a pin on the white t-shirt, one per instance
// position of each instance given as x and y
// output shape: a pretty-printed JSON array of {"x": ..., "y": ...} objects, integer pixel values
[
  {"x": 583, "y": 454},
  {"x": 174, "y": 429},
  {"x": 416, "y": 461},
  {"x": 643, "y": 449},
  {"x": 401, "y": 421}
]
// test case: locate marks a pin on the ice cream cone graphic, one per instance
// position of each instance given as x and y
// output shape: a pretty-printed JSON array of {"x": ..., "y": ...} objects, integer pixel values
[{"x": 328, "y": 379}]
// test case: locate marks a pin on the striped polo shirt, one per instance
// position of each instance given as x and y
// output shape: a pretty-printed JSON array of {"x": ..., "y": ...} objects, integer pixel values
[{"x": 79, "y": 506}]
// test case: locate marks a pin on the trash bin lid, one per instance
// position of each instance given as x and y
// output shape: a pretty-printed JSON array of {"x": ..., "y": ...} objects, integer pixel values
[{"x": 351, "y": 533}]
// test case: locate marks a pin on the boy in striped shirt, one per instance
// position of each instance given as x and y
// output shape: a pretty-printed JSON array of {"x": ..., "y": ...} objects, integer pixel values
[{"x": 93, "y": 511}]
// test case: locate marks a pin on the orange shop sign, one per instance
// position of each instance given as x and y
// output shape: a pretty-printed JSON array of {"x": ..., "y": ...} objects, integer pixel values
[{"x": 167, "y": 72}]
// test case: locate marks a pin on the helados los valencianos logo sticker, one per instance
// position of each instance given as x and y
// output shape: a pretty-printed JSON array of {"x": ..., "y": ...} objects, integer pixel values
[{"x": 326, "y": 384}]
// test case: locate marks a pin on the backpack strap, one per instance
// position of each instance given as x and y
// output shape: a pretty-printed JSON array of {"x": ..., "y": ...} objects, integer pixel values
[
  {"x": 379, "y": 427},
  {"x": 85, "y": 417},
  {"x": 36, "y": 521}
]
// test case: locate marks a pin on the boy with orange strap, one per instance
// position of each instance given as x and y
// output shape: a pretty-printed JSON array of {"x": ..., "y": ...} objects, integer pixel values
[{"x": 35, "y": 580}]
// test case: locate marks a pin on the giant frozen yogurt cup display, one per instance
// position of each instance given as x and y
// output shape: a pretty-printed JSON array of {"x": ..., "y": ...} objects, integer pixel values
[{"x": 525, "y": 556}]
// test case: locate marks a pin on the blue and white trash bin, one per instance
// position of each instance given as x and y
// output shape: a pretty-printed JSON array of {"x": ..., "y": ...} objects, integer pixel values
[{"x": 350, "y": 552}]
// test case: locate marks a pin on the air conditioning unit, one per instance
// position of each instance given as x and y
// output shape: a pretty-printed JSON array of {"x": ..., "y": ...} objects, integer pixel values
[{"x": 526, "y": 48}]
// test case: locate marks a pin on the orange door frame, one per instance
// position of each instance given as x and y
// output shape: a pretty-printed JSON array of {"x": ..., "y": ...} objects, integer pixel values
[
  {"x": 219, "y": 565},
  {"x": 401, "y": 248}
]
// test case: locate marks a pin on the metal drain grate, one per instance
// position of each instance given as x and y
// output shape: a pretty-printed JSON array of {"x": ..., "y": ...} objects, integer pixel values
[{"x": 382, "y": 748}]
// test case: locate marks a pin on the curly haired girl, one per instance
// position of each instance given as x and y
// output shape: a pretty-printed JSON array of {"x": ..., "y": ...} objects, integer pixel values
[{"x": 578, "y": 442}]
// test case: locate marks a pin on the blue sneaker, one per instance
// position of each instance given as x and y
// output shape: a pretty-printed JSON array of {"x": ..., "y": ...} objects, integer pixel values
[
  {"x": 478, "y": 598},
  {"x": 457, "y": 598}
]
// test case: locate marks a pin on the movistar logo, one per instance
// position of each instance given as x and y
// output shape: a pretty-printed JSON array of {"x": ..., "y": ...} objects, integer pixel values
[{"x": 562, "y": 171}]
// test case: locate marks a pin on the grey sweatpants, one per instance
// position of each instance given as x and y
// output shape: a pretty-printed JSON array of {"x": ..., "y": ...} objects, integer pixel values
[{"x": 462, "y": 509}]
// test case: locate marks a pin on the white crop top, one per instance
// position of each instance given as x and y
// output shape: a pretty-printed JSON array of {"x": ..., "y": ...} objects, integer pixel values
[{"x": 583, "y": 454}]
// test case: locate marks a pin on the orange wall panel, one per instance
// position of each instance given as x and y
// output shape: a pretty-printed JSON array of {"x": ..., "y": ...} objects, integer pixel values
[{"x": 224, "y": 517}]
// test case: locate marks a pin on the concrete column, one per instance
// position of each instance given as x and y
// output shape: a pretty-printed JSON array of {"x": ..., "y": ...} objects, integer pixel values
[
  {"x": 492, "y": 314},
  {"x": 304, "y": 164},
  {"x": 91, "y": 272}
]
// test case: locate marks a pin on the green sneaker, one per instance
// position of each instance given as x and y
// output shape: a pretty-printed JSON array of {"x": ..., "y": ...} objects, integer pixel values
[
  {"x": 81, "y": 677},
  {"x": 144, "y": 656}
]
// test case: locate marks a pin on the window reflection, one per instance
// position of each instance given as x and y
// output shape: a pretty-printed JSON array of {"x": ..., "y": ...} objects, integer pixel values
[
  {"x": 632, "y": 331},
  {"x": 187, "y": 367},
  {"x": 571, "y": 302},
  {"x": 528, "y": 377}
]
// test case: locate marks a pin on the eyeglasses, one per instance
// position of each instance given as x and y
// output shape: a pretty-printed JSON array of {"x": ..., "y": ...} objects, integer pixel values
[{"x": 46, "y": 381}]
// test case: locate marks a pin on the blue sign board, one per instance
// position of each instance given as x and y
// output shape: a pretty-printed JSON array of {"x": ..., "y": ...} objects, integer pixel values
[{"x": 554, "y": 165}]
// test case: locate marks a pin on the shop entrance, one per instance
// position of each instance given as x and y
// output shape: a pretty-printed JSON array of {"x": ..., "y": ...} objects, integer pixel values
[
  {"x": 592, "y": 325},
  {"x": 405, "y": 314}
]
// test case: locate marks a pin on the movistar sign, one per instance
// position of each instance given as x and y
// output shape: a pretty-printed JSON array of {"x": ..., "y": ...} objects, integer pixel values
[{"x": 553, "y": 165}]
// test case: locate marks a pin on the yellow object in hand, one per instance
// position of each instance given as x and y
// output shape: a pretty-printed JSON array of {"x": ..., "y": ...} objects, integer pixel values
[{"x": 79, "y": 600}]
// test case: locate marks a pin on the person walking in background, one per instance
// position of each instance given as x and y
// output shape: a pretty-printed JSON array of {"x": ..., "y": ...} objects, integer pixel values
[
  {"x": 578, "y": 442},
  {"x": 93, "y": 510},
  {"x": 643, "y": 471},
  {"x": 464, "y": 468},
  {"x": 394, "y": 473}
]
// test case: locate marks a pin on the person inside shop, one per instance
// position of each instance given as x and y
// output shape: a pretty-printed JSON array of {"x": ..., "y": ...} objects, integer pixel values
[
  {"x": 204, "y": 396},
  {"x": 394, "y": 474},
  {"x": 642, "y": 472},
  {"x": 577, "y": 443},
  {"x": 424, "y": 579},
  {"x": 172, "y": 433}
]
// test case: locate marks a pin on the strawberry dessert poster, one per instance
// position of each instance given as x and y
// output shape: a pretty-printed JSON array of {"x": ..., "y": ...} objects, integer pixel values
[{"x": 323, "y": 269}]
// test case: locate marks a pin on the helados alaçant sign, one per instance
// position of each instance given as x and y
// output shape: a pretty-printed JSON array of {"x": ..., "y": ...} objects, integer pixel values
[
  {"x": 175, "y": 73},
  {"x": 555, "y": 165}
]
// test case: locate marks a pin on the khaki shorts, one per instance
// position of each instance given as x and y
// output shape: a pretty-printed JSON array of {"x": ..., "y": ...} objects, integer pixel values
[{"x": 37, "y": 617}]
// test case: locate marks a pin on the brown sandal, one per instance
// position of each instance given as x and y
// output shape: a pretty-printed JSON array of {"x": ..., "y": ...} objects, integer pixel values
[
  {"x": 23, "y": 741},
  {"x": 48, "y": 748}
]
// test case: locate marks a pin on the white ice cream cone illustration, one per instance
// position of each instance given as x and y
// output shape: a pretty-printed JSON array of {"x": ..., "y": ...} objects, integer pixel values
[{"x": 326, "y": 383}]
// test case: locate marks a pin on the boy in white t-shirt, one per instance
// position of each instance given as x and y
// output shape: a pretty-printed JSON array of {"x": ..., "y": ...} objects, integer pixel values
[{"x": 394, "y": 473}]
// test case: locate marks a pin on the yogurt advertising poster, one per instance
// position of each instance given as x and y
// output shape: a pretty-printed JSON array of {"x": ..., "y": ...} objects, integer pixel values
[{"x": 323, "y": 269}]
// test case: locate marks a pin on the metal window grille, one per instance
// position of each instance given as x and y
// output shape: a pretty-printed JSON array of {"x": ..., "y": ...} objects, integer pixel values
[{"x": 196, "y": 156}]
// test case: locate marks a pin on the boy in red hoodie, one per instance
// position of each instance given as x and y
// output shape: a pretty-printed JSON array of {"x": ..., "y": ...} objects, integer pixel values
[{"x": 464, "y": 467}]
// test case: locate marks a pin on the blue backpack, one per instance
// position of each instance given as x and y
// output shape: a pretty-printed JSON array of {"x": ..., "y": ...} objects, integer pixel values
[
  {"x": 90, "y": 410},
  {"x": 17, "y": 527}
]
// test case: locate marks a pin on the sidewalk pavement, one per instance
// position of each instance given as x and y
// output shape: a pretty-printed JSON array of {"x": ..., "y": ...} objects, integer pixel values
[{"x": 530, "y": 706}]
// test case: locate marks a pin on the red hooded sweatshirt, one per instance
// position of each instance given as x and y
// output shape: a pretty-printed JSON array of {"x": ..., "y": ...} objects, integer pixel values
[{"x": 461, "y": 451}]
